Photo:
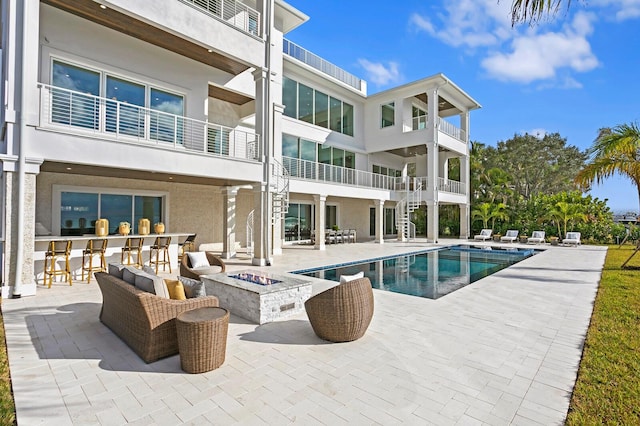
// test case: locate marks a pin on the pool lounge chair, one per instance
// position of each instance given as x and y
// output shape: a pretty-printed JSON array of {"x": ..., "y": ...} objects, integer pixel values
[
  {"x": 536, "y": 238},
  {"x": 510, "y": 236},
  {"x": 484, "y": 235},
  {"x": 573, "y": 238}
]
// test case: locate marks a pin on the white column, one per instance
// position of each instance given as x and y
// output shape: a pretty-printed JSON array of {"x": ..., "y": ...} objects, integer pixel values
[
  {"x": 229, "y": 222},
  {"x": 261, "y": 225},
  {"x": 432, "y": 221},
  {"x": 379, "y": 221},
  {"x": 320, "y": 220},
  {"x": 465, "y": 223}
]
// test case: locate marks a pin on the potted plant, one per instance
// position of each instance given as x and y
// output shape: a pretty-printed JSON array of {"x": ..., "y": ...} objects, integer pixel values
[
  {"x": 158, "y": 228},
  {"x": 553, "y": 241},
  {"x": 124, "y": 228},
  {"x": 524, "y": 238},
  {"x": 496, "y": 237}
]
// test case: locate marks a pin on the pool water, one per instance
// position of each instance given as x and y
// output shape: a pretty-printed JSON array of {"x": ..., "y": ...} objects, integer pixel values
[{"x": 431, "y": 274}]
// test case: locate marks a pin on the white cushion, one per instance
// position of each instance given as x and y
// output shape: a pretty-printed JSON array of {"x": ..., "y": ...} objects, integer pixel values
[
  {"x": 207, "y": 270},
  {"x": 198, "y": 259},
  {"x": 346, "y": 278}
]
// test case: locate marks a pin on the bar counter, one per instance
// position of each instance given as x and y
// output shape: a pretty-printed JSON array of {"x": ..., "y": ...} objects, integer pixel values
[{"x": 112, "y": 253}]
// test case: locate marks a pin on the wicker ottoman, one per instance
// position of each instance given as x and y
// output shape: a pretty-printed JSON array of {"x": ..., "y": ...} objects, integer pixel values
[{"x": 202, "y": 338}]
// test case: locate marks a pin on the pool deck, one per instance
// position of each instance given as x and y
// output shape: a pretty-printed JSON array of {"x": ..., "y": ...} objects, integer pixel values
[{"x": 503, "y": 350}]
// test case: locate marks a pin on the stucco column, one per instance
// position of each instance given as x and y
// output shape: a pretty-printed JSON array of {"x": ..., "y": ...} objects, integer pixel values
[
  {"x": 261, "y": 223},
  {"x": 229, "y": 222},
  {"x": 432, "y": 221},
  {"x": 379, "y": 221},
  {"x": 465, "y": 223},
  {"x": 320, "y": 220}
]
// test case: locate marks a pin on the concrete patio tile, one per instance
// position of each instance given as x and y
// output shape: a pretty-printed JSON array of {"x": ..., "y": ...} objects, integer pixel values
[{"x": 504, "y": 349}]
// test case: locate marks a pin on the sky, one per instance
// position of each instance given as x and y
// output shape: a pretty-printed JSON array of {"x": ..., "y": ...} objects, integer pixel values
[{"x": 573, "y": 73}]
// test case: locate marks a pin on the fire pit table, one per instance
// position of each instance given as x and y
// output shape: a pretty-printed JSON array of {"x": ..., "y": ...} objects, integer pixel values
[{"x": 258, "y": 296}]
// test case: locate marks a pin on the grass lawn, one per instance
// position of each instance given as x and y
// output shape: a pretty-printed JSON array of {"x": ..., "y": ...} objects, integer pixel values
[{"x": 608, "y": 388}]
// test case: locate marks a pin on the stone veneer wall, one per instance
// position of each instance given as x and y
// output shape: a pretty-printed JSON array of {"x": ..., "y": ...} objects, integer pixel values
[
  {"x": 11, "y": 217},
  {"x": 191, "y": 208}
]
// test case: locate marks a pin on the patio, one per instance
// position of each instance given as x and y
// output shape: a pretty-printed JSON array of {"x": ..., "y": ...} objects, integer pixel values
[{"x": 502, "y": 350}]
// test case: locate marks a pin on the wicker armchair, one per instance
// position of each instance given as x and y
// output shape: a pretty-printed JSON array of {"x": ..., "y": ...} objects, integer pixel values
[
  {"x": 187, "y": 271},
  {"x": 342, "y": 313},
  {"x": 144, "y": 321}
]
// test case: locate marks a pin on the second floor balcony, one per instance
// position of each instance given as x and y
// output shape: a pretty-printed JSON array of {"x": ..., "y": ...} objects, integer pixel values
[
  {"x": 232, "y": 12},
  {"x": 82, "y": 114},
  {"x": 327, "y": 173}
]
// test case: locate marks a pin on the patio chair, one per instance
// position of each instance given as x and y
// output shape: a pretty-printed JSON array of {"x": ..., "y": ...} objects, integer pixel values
[
  {"x": 573, "y": 238},
  {"x": 196, "y": 263},
  {"x": 342, "y": 313},
  {"x": 536, "y": 238},
  {"x": 510, "y": 236},
  {"x": 484, "y": 235}
]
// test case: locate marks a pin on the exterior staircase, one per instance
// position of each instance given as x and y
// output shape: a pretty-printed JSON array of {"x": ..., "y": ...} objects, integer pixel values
[{"x": 407, "y": 205}]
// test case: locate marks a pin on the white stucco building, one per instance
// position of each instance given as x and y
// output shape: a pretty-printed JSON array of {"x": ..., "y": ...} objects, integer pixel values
[{"x": 202, "y": 115}]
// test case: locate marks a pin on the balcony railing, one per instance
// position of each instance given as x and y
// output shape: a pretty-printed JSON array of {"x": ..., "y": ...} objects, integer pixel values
[
  {"x": 451, "y": 130},
  {"x": 453, "y": 186},
  {"x": 320, "y": 64},
  {"x": 232, "y": 12},
  {"x": 81, "y": 113}
]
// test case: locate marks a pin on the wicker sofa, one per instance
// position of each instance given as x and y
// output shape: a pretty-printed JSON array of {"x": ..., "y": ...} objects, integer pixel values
[{"x": 144, "y": 321}]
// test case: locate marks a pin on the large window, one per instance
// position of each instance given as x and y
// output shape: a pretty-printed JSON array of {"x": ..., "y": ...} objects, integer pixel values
[
  {"x": 298, "y": 222},
  {"x": 312, "y": 106},
  {"x": 79, "y": 210},
  {"x": 419, "y": 118},
  {"x": 387, "y": 114},
  {"x": 128, "y": 103}
]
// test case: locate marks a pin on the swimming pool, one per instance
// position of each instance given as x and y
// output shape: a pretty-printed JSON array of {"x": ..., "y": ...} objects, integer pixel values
[{"x": 431, "y": 273}]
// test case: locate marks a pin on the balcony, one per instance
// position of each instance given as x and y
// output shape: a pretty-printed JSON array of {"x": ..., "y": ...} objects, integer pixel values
[
  {"x": 232, "y": 12},
  {"x": 77, "y": 113},
  {"x": 320, "y": 64}
]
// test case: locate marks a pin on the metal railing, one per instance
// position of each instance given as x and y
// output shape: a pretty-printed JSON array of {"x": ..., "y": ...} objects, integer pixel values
[
  {"x": 451, "y": 130},
  {"x": 81, "y": 113},
  {"x": 232, "y": 12},
  {"x": 320, "y": 64}
]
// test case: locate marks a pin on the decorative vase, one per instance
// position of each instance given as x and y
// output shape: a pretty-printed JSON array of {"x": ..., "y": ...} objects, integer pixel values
[
  {"x": 144, "y": 226},
  {"x": 124, "y": 229},
  {"x": 159, "y": 228},
  {"x": 102, "y": 227}
]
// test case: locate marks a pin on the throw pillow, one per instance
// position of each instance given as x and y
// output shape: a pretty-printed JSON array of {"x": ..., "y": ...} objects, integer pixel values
[
  {"x": 346, "y": 278},
  {"x": 129, "y": 274},
  {"x": 176, "y": 290},
  {"x": 152, "y": 284},
  {"x": 198, "y": 259},
  {"x": 116, "y": 269},
  {"x": 192, "y": 288}
]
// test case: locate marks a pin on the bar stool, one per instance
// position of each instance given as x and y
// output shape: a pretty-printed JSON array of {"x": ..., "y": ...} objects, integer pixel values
[
  {"x": 57, "y": 250},
  {"x": 186, "y": 246},
  {"x": 94, "y": 247},
  {"x": 132, "y": 245},
  {"x": 160, "y": 246}
]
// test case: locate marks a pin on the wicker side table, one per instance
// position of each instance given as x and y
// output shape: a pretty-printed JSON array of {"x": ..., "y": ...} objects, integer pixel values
[{"x": 202, "y": 338}]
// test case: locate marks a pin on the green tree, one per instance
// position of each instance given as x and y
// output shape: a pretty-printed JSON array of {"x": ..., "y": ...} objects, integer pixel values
[
  {"x": 490, "y": 212},
  {"x": 614, "y": 151},
  {"x": 565, "y": 213}
]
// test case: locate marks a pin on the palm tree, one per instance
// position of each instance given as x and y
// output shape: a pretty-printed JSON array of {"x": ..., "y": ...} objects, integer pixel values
[
  {"x": 614, "y": 151},
  {"x": 490, "y": 212},
  {"x": 564, "y": 213},
  {"x": 534, "y": 10}
]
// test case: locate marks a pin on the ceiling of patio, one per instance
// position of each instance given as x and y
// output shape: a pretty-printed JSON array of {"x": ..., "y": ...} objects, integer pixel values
[
  {"x": 90, "y": 10},
  {"x": 87, "y": 170}
]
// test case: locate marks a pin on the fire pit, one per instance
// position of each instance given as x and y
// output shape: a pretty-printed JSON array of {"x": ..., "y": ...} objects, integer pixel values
[{"x": 254, "y": 278}]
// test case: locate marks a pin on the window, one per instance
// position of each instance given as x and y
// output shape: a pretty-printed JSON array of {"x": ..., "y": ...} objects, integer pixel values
[
  {"x": 79, "y": 210},
  {"x": 312, "y": 106},
  {"x": 298, "y": 222},
  {"x": 390, "y": 221},
  {"x": 387, "y": 114},
  {"x": 331, "y": 216},
  {"x": 124, "y": 111},
  {"x": 419, "y": 118}
]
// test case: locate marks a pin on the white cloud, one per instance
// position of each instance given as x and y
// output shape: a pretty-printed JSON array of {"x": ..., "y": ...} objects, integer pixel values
[
  {"x": 622, "y": 9},
  {"x": 380, "y": 74},
  {"x": 469, "y": 23},
  {"x": 539, "y": 56}
]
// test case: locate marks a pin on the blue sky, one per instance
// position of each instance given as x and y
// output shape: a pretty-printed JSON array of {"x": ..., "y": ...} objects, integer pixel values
[{"x": 572, "y": 74}]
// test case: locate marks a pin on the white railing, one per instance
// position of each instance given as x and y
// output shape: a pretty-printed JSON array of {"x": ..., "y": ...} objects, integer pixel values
[
  {"x": 453, "y": 186},
  {"x": 445, "y": 127},
  {"x": 310, "y": 170},
  {"x": 320, "y": 64},
  {"x": 232, "y": 12},
  {"x": 80, "y": 113}
]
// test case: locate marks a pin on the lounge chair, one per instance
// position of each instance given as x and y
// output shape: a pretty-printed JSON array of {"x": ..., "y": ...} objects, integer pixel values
[
  {"x": 572, "y": 238},
  {"x": 484, "y": 235},
  {"x": 510, "y": 236},
  {"x": 536, "y": 238}
]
